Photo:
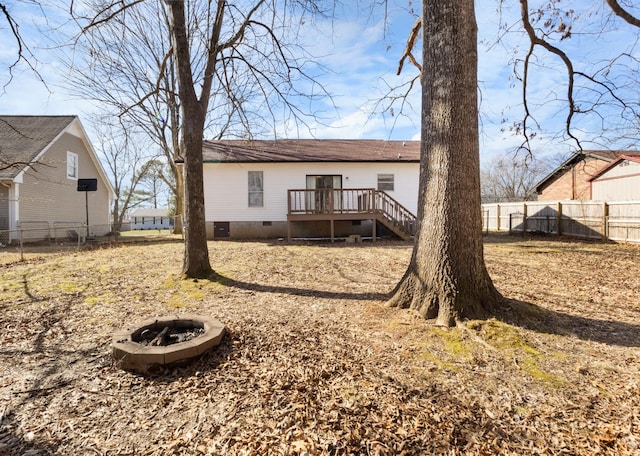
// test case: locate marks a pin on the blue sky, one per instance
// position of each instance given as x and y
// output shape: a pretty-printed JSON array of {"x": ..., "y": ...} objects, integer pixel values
[{"x": 362, "y": 49}]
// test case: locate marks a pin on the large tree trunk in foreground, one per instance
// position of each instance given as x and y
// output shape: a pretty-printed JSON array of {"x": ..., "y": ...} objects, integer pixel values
[{"x": 446, "y": 278}]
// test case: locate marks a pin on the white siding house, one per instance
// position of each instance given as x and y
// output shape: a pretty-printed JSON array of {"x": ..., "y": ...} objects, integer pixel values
[
  {"x": 248, "y": 186},
  {"x": 151, "y": 219},
  {"x": 618, "y": 181}
]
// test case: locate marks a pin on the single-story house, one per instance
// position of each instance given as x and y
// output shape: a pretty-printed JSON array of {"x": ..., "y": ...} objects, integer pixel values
[
  {"x": 151, "y": 219},
  {"x": 51, "y": 181},
  {"x": 571, "y": 180},
  {"x": 310, "y": 188},
  {"x": 618, "y": 181}
]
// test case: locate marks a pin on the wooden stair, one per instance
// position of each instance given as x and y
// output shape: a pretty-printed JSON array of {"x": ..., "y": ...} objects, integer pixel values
[
  {"x": 351, "y": 204},
  {"x": 395, "y": 217}
]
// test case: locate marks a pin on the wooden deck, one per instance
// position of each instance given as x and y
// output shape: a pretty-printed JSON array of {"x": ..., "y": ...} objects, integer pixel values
[{"x": 308, "y": 205}]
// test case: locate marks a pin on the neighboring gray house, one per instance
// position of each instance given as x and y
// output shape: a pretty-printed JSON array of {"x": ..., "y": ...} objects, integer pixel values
[
  {"x": 310, "y": 188},
  {"x": 44, "y": 163},
  {"x": 151, "y": 219}
]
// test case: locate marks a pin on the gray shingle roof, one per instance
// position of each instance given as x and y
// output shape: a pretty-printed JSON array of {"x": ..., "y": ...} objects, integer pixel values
[
  {"x": 22, "y": 138},
  {"x": 310, "y": 150}
]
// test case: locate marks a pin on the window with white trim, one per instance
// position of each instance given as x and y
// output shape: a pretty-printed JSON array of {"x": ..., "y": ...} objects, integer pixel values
[
  {"x": 385, "y": 182},
  {"x": 72, "y": 165},
  {"x": 256, "y": 189}
]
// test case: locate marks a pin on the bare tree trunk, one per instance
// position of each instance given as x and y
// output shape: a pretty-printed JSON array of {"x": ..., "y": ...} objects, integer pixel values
[
  {"x": 177, "y": 152},
  {"x": 179, "y": 199},
  {"x": 116, "y": 225},
  {"x": 196, "y": 253},
  {"x": 447, "y": 278}
]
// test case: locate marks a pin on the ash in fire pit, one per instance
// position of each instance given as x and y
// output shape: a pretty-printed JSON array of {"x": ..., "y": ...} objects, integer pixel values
[
  {"x": 168, "y": 336},
  {"x": 165, "y": 341}
]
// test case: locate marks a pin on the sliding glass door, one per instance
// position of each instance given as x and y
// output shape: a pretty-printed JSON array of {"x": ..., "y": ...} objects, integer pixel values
[{"x": 325, "y": 187}]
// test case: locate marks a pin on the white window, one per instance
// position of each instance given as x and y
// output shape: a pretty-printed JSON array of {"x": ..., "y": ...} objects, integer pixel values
[
  {"x": 256, "y": 189},
  {"x": 72, "y": 165},
  {"x": 385, "y": 182}
]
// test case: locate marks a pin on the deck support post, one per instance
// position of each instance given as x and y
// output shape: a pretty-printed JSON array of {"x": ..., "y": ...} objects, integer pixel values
[
  {"x": 373, "y": 234},
  {"x": 331, "y": 229}
]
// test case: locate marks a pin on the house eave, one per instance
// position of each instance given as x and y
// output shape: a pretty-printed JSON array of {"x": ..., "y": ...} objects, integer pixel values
[
  {"x": 612, "y": 165},
  {"x": 306, "y": 161},
  {"x": 575, "y": 158}
]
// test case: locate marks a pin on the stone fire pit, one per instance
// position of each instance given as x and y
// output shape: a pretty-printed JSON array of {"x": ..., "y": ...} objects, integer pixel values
[{"x": 165, "y": 341}]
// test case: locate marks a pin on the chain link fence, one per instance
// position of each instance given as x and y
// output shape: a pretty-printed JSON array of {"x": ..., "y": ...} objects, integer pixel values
[{"x": 34, "y": 238}]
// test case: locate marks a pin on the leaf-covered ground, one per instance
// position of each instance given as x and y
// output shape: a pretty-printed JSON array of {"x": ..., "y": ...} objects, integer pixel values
[{"x": 314, "y": 363}]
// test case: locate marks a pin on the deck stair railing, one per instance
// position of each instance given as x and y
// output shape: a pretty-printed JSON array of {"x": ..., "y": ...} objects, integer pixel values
[{"x": 359, "y": 201}]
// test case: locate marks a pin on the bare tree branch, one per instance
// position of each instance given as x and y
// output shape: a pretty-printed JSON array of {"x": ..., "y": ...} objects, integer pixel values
[
  {"x": 411, "y": 42},
  {"x": 619, "y": 11},
  {"x": 537, "y": 41},
  {"x": 13, "y": 26},
  {"x": 100, "y": 17},
  {"x": 24, "y": 53},
  {"x": 214, "y": 44}
]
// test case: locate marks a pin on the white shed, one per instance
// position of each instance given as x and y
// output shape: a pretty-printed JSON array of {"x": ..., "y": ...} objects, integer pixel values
[
  {"x": 310, "y": 188},
  {"x": 618, "y": 181}
]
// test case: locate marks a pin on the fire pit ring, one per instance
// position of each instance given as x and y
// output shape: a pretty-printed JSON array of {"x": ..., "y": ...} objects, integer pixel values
[{"x": 134, "y": 352}]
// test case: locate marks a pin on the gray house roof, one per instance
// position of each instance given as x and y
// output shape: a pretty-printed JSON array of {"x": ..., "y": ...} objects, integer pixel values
[
  {"x": 22, "y": 138},
  {"x": 310, "y": 150}
]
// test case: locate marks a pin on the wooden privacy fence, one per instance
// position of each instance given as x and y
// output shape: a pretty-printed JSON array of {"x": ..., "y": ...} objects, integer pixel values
[{"x": 615, "y": 221}]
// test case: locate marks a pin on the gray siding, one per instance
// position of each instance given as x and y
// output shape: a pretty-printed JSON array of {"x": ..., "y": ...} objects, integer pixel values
[
  {"x": 4, "y": 214},
  {"x": 4, "y": 207},
  {"x": 47, "y": 195}
]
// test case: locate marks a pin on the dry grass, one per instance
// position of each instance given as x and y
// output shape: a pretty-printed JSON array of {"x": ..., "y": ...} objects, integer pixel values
[{"x": 314, "y": 363}]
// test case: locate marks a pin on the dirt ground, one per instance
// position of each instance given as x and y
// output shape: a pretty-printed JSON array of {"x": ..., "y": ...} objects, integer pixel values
[{"x": 313, "y": 361}]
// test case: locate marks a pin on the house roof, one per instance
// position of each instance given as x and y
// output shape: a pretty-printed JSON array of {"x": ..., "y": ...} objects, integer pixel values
[
  {"x": 605, "y": 155},
  {"x": 604, "y": 169},
  {"x": 22, "y": 138},
  {"x": 150, "y": 213},
  {"x": 310, "y": 150}
]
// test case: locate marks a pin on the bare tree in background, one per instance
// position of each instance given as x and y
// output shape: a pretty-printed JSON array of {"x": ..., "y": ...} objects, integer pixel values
[
  {"x": 125, "y": 159},
  {"x": 225, "y": 55},
  {"x": 154, "y": 183},
  {"x": 512, "y": 177},
  {"x": 127, "y": 64}
]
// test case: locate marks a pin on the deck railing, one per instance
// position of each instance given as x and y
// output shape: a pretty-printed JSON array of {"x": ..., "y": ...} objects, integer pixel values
[{"x": 350, "y": 201}]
